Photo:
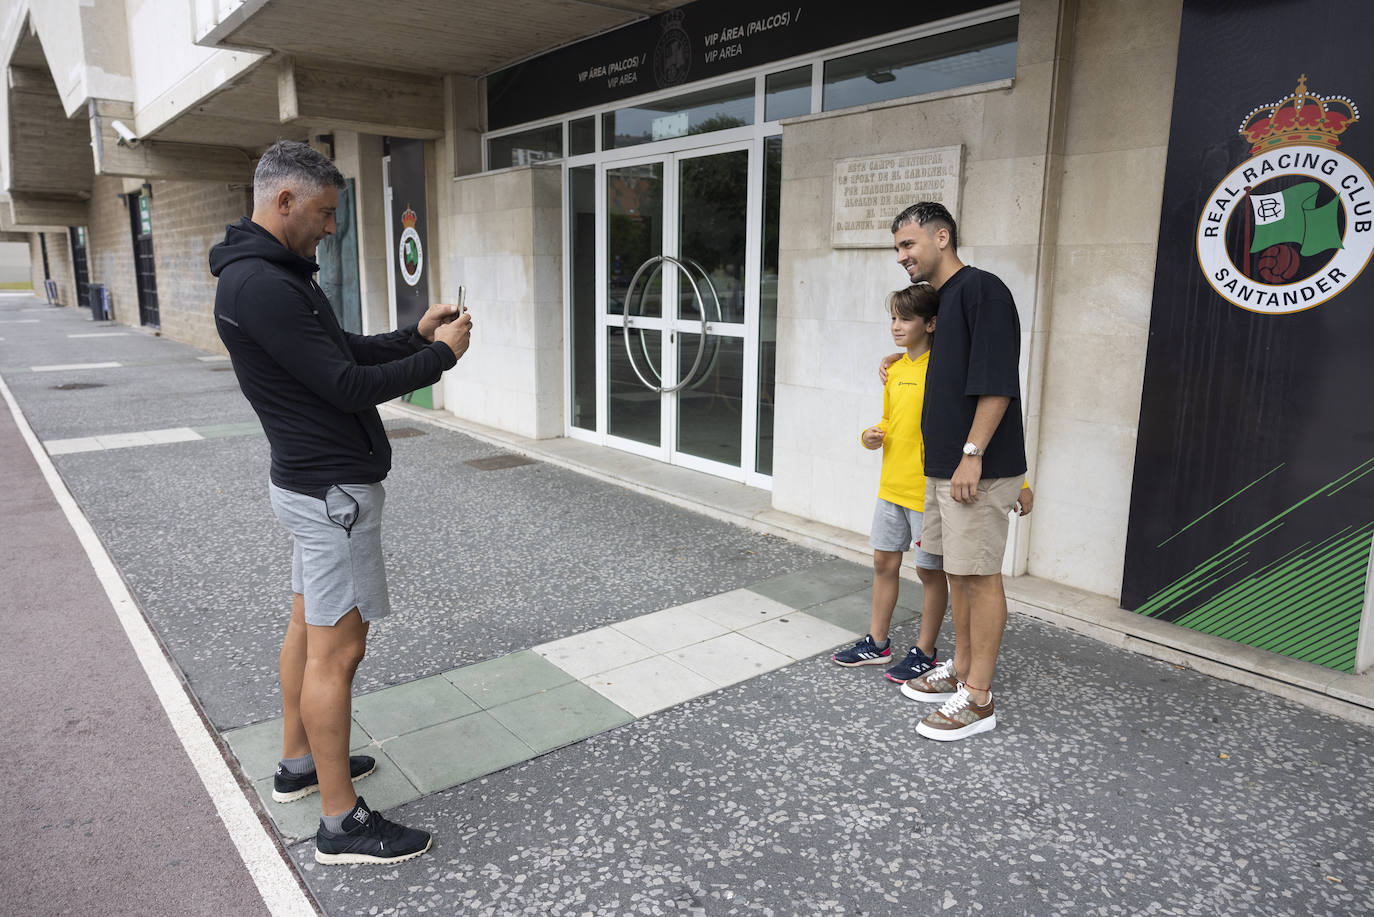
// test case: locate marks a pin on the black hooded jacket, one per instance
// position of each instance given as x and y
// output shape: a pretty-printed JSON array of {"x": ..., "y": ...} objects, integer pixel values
[{"x": 314, "y": 386}]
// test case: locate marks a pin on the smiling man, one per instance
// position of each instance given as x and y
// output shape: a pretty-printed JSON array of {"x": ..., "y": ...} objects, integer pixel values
[
  {"x": 975, "y": 457},
  {"x": 315, "y": 387}
]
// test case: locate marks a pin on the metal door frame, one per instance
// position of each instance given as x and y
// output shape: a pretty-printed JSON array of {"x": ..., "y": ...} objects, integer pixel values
[{"x": 670, "y": 324}]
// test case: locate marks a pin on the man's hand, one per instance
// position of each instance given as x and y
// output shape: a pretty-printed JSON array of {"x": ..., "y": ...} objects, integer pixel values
[
  {"x": 1024, "y": 500},
  {"x": 963, "y": 487},
  {"x": 457, "y": 333},
  {"x": 436, "y": 315},
  {"x": 886, "y": 362},
  {"x": 872, "y": 438}
]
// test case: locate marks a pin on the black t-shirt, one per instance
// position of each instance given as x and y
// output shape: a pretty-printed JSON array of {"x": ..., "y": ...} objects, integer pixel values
[{"x": 976, "y": 351}]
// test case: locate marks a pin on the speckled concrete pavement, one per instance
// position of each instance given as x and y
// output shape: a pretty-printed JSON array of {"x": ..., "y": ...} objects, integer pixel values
[{"x": 1114, "y": 784}]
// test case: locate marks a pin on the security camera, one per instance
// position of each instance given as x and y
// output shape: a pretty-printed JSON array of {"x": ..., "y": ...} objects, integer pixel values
[{"x": 126, "y": 137}]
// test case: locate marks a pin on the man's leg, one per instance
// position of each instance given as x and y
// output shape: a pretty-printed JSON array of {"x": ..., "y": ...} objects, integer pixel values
[
  {"x": 291, "y": 666},
  {"x": 332, "y": 655},
  {"x": 987, "y": 617},
  {"x": 959, "y": 615}
]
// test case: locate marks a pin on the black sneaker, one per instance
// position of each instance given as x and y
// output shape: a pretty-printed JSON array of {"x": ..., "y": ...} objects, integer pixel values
[
  {"x": 865, "y": 652},
  {"x": 914, "y": 665},
  {"x": 369, "y": 838},
  {"x": 288, "y": 787}
]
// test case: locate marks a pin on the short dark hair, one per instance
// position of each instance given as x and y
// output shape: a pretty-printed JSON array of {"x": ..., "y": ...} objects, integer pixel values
[
  {"x": 295, "y": 165},
  {"x": 924, "y": 212},
  {"x": 920, "y": 300}
]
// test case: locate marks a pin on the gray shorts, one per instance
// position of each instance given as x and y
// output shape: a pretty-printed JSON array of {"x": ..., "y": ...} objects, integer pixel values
[
  {"x": 895, "y": 528},
  {"x": 336, "y": 550}
]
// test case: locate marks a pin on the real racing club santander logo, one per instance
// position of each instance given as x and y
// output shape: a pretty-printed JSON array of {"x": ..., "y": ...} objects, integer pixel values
[
  {"x": 410, "y": 254},
  {"x": 1293, "y": 225}
]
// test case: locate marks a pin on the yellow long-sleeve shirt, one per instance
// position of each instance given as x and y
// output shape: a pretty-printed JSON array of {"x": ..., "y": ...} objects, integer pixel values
[{"x": 903, "y": 478}]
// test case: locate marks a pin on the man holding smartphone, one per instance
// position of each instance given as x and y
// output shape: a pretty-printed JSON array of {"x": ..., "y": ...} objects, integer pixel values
[{"x": 315, "y": 387}]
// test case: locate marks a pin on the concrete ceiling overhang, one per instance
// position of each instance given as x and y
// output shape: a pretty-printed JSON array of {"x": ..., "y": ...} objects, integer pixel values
[
  {"x": 467, "y": 37},
  {"x": 49, "y": 153}
]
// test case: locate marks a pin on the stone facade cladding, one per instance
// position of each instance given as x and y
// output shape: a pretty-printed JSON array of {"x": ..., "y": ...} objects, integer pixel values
[
  {"x": 110, "y": 248},
  {"x": 59, "y": 266},
  {"x": 188, "y": 218}
]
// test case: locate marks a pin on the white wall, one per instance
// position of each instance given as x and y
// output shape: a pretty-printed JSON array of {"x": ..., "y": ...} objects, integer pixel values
[
  {"x": 14, "y": 262},
  {"x": 1120, "y": 92},
  {"x": 170, "y": 71},
  {"x": 502, "y": 236}
]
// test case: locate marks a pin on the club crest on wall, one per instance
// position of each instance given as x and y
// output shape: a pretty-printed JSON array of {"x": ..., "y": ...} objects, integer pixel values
[
  {"x": 410, "y": 253},
  {"x": 1293, "y": 225}
]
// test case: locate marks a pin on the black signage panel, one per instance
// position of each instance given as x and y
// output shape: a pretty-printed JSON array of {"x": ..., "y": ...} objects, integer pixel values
[
  {"x": 1252, "y": 507},
  {"x": 409, "y": 230},
  {"x": 698, "y": 41}
]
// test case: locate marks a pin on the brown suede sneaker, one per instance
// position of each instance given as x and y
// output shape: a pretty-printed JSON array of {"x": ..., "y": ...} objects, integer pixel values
[
  {"x": 958, "y": 718},
  {"x": 935, "y": 687}
]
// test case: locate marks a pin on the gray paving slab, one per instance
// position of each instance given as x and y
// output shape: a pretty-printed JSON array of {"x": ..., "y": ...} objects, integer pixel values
[
  {"x": 1114, "y": 784},
  {"x": 1104, "y": 790},
  {"x": 480, "y": 563}
]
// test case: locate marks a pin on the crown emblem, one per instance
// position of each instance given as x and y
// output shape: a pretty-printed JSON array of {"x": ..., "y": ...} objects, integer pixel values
[
  {"x": 409, "y": 218},
  {"x": 1300, "y": 117}
]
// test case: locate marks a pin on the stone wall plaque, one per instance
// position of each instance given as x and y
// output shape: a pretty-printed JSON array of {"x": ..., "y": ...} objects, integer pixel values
[{"x": 871, "y": 190}]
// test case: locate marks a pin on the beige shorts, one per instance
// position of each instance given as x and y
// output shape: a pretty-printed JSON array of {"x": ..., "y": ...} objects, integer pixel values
[{"x": 972, "y": 537}]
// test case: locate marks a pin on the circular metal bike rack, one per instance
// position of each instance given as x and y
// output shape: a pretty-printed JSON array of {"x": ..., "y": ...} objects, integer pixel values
[{"x": 701, "y": 307}]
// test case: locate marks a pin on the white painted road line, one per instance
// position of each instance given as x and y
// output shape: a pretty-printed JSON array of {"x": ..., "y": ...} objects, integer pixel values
[
  {"x": 18, "y": 321},
  {"x": 63, "y": 367},
  {"x": 275, "y": 880},
  {"x": 101, "y": 334},
  {"x": 121, "y": 440}
]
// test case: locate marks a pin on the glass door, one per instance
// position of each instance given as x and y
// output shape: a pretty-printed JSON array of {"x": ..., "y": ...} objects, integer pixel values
[{"x": 678, "y": 311}]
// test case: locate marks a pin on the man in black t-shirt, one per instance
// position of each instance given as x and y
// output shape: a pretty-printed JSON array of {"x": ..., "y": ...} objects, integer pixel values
[{"x": 975, "y": 461}]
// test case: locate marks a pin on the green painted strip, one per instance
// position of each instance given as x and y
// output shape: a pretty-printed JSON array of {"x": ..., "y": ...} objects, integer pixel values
[
  {"x": 1300, "y": 619},
  {"x": 1220, "y": 505},
  {"x": 1289, "y": 582},
  {"x": 1259, "y": 580},
  {"x": 1366, "y": 471}
]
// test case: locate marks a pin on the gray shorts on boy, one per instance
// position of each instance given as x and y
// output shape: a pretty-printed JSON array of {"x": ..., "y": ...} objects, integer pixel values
[{"x": 897, "y": 528}]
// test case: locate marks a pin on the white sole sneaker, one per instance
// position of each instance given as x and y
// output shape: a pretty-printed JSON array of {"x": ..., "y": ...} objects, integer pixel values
[
  {"x": 925, "y": 696},
  {"x": 986, "y": 724},
  {"x": 337, "y": 858}
]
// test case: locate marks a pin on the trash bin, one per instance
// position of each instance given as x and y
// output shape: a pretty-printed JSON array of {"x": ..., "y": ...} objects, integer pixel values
[{"x": 100, "y": 302}]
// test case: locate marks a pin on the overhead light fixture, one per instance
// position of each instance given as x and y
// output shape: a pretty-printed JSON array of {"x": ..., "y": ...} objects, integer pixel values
[{"x": 881, "y": 76}]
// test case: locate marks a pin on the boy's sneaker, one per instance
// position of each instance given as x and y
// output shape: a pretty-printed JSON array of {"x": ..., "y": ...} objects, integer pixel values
[
  {"x": 369, "y": 838},
  {"x": 288, "y": 787},
  {"x": 936, "y": 686},
  {"x": 865, "y": 652},
  {"x": 958, "y": 718},
  {"x": 914, "y": 665}
]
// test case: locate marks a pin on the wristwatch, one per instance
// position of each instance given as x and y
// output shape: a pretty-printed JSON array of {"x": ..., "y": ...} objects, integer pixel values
[{"x": 971, "y": 449}]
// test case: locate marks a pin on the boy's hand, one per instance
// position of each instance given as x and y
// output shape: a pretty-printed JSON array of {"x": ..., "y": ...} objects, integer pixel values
[
  {"x": 886, "y": 362},
  {"x": 873, "y": 437},
  {"x": 1024, "y": 500}
]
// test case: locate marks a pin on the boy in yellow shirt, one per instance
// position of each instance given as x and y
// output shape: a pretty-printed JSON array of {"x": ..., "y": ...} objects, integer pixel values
[{"x": 901, "y": 494}]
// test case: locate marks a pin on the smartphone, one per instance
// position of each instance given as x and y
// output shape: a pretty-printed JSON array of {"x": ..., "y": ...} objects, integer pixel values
[{"x": 462, "y": 299}]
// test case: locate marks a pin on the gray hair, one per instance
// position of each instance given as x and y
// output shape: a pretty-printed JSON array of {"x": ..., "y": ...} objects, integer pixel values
[
  {"x": 925, "y": 212},
  {"x": 293, "y": 165}
]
